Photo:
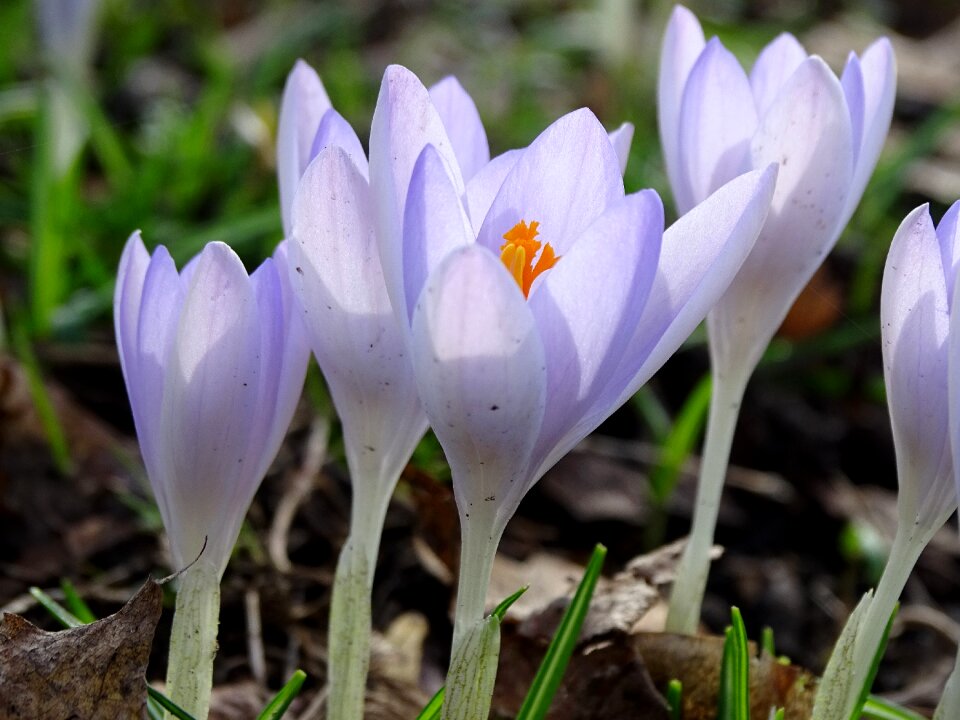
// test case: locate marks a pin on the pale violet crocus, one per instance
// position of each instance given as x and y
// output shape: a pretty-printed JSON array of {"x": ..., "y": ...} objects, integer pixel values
[
  {"x": 538, "y": 300},
  {"x": 328, "y": 215},
  {"x": 917, "y": 294},
  {"x": 214, "y": 361},
  {"x": 716, "y": 121}
]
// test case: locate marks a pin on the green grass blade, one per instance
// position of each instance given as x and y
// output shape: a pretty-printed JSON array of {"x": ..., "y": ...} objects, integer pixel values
[
  {"x": 59, "y": 612},
  {"x": 675, "y": 699},
  {"x": 734, "y": 700},
  {"x": 875, "y": 665},
  {"x": 780, "y": 714},
  {"x": 879, "y": 709},
  {"x": 281, "y": 701},
  {"x": 550, "y": 673},
  {"x": 767, "y": 642},
  {"x": 169, "y": 705},
  {"x": 75, "y": 603},
  {"x": 432, "y": 709}
]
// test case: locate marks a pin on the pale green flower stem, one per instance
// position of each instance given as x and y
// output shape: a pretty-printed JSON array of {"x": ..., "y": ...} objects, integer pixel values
[
  {"x": 904, "y": 552},
  {"x": 476, "y": 643},
  {"x": 949, "y": 706},
  {"x": 691, "y": 581},
  {"x": 350, "y": 619},
  {"x": 193, "y": 639}
]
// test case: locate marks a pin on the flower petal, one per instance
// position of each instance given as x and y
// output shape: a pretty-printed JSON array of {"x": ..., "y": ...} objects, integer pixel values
[
  {"x": 915, "y": 323},
  {"x": 700, "y": 254},
  {"x": 717, "y": 120},
  {"x": 587, "y": 308},
  {"x": 336, "y": 132},
  {"x": 304, "y": 103},
  {"x": 405, "y": 121},
  {"x": 209, "y": 400},
  {"x": 434, "y": 224},
  {"x": 776, "y": 63},
  {"x": 807, "y": 131},
  {"x": 480, "y": 367},
  {"x": 484, "y": 186},
  {"x": 127, "y": 294},
  {"x": 852, "y": 83},
  {"x": 879, "y": 69},
  {"x": 621, "y": 139},
  {"x": 335, "y": 273},
  {"x": 948, "y": 235},
  {"x": 566, "y": 179},
  {"x": 682, "y": 44},
  {"x": 462, "y": 122}
]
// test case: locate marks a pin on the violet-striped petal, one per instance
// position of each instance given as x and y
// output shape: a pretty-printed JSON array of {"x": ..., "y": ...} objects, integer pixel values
[
  {"x": 717, "y": 120},
  {"x": 462, "y": 122},
  {"x": 621, "y": 139},
  {"x": 776, "y": 63},
  {"x": 567, "y": 177},
  {"x": 682, "y": 45},
  {"x": 334, "y": 131},
  {"x": 480, "y": 367},
  {"x": 304, "y": 103}
]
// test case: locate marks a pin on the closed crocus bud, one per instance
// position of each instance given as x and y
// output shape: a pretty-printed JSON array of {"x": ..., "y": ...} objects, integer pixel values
[
  {"x": 538, "y": 298},
  {"x": 214, "y": 361},
  {"x": 716, "y": 122},
  {"x": 919, "y": 347}
]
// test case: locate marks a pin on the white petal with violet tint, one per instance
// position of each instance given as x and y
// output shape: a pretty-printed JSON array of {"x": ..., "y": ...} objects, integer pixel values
[
  {"x": 807, "y": 131},
  {"x": 464, "y": 127},
  {"x": 587, "y": 308},
  {"x": 160, "y": 303},
  {"x": 434, "y": 224},
  {"x": 304, "y": 103},
  {"x": 480, "y": 368},
  {"x": 717, "y": 119},
  {"x": 284, "y": 353},
  {"x": 209, "y": 401},
  {"x": 565, "y": 180},
  {"x": 948, "y": 235},
  {"x": 915, "y": 323},
  {"x": 879, "y": 68},
  {"x": 335, "y": 272},
  {"x": 682, "y": 44},
  {"x": 127, "y": 294},
  {"x": 483, "y": 188},
  {"x": 334, "y": 131},
  {"x": 953, "y": 385},
  {"x": 404, "y": 122},
  {"x": 621, "y": 139},
  {"x": 700, "y": 254},
  {"x": 852, "y": 83},
  {"x": 776, "y": 63}
]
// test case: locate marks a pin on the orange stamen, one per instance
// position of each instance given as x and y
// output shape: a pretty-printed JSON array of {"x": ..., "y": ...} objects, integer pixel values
[{"x": 519, "y": 251}]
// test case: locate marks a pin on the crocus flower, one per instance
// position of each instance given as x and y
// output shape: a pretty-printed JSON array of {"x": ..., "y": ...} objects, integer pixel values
[
  {"x": 538, "y": 299},
  {"x": 919, "y": 346},
  {"x": 214, "y": 361},
  {"x": 716, "y": 122}
]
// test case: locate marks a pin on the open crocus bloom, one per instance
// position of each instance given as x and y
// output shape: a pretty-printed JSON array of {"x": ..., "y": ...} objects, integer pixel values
[
  {"x": 826, "y": 133},
  {"x": 518, "y": 358},
  {"x": 214, "y": 362}
]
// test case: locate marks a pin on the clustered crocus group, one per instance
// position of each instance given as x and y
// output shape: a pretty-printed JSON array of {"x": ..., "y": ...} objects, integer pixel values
[{"x": 512, "y": 304}]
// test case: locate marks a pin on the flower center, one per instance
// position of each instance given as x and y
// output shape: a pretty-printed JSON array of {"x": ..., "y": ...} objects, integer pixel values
[{"x": 519, "y": 251}]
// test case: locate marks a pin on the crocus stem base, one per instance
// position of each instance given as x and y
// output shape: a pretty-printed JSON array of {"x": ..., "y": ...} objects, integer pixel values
[
  {"x": 473, "y": 672},
  {"x": 691, "y": 580},
  {"x": 193, "y": 639},
  {"x": 349, "y": 650},
  {"x": 949, "y": 706}
]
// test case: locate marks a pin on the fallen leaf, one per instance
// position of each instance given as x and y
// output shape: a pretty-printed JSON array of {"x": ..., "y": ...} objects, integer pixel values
[{"x": 84, "y": 673}]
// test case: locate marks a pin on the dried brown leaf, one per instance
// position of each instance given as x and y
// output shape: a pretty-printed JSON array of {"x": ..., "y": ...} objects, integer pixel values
[{"x": 83, "y": 673}]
